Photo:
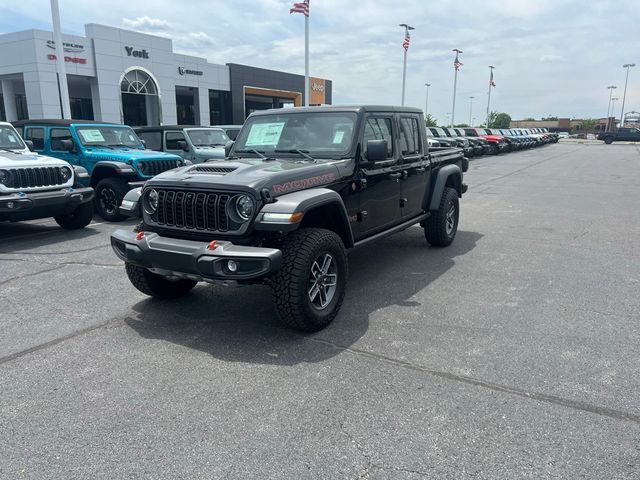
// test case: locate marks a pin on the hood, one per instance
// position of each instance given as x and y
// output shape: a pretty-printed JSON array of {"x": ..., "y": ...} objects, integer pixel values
[
  {"x": 124, "y": 154},
  {"x": 279, "y": 176},
  {"x": 21, "y": 160},
  {"x": 493, "y": 138}
]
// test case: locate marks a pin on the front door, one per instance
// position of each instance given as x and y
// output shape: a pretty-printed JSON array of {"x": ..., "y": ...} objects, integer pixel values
[
  {"x": 56, "y": 135},
  {"x": 380, "y": 197},
  {"x": 415, "y": 166}
]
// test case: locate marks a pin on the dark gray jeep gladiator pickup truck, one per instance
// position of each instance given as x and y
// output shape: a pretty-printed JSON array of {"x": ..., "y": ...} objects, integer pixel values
[{"x": 298, "y": 189}]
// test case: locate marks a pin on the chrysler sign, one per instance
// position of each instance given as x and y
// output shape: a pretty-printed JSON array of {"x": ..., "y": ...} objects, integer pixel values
[
  {"x": 68, "y": 47},
  {"x": 186, "y": 71}
]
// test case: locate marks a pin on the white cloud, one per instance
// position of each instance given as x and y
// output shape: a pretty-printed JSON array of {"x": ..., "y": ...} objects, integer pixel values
[
  {"x": 551, "y": 58},
  {"x": 146, "y": 24}
]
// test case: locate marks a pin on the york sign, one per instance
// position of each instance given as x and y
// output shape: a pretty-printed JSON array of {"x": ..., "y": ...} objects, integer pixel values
[{"x": 136, "y": 53}]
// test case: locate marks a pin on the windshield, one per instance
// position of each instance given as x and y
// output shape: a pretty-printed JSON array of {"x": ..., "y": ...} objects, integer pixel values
[
  {"x": 481, "y": 131},
  {"x": 441, "y": 132},
  {"x": 108, "y": 137},
  {"x": 207, "y": 137},
  {"x": 314, "y": 133},
  {"x": 9, "y": 139}
]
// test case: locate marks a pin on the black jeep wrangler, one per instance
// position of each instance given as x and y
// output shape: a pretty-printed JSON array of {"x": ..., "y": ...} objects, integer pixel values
[{"x": 299, "y": 188}]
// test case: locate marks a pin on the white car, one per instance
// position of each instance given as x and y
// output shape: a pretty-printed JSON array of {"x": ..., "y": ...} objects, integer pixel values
[
  {"x": 563, "y": 134},
  {"x": 35, "y": 186}
]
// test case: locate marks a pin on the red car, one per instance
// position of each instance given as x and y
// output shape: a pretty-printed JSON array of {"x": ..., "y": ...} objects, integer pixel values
[{"x": 498, "y": 142}]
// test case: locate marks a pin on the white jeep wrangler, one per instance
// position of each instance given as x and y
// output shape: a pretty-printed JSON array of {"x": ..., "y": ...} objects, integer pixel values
[{"x": 35, "y": 186}]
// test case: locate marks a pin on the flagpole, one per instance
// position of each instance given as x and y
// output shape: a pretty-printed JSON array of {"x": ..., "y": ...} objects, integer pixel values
[
  {"x": 489, "y": 95},
  {"x": 306, "y": 60},
  {"x": 455, "y": 86},
  {"x": 63, "y": 88},
  {"x": 404, "y": 65}
]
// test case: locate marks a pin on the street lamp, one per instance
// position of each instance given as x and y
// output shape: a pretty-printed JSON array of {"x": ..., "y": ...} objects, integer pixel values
[
  {"x": 613, "y": 107},
  {"x": 624, "y": 95},
  {"x": 491, "y": 67},
  {"x": 456, "y": 66},
  {"x": 426, "y": 103},
  {"x": 405, "y": 45},
  {"x": 611, "y": 89},
  {"x": 470, "y": 109}
]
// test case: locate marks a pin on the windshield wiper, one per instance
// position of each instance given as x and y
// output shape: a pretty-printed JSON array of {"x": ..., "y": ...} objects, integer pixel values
[
  {"x": 8, "y": 150},
  {"x": 118, "y": 145},
  {"x": 303, "y": 153},
  {"x": 255, "y": 152}
]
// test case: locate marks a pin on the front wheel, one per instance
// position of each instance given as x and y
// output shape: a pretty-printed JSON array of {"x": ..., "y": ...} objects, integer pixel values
[
  {"x": 156, "y": 285},
  {"x": 79, "y": 218},
  {"x": 109, "y": 195},
  {"x": 608, "y": 140},
  {"x": 309, "y": 287},
  {"x": 441, "y": 227}
]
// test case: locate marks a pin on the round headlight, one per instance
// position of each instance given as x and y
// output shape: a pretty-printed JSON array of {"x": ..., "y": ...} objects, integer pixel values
[
  {"x": 244, "y": 207},
  {"x": 151, "y": 203},
  {"x": 178, "y": 163},
  {"x": 65, "y": 173},
  {"x": 5, "y": 178}
]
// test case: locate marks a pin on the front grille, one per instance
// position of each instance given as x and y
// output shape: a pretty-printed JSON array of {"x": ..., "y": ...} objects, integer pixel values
[
  {"x": 195, "y": 211},
  {"x": 37, "y": 177},
  {"x": 212, "y": 169},
  {"x": 155, "y": 167}
]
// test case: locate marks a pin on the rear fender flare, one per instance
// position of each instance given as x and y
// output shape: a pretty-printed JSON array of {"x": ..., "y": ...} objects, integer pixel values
[{"x": 448, "y": 171}]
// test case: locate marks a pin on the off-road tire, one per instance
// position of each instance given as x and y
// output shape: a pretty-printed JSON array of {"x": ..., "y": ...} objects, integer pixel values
[
  {"x": 495, "y": 150},
  {"x": 79, "y": 218},
  {"x": 119, "y": 188},
  {"x": 436, "y": 230},
  {"x": 608, "y": 140},
  {"x": 290, "y": 285},
  {"x": 156, "y": 285}
]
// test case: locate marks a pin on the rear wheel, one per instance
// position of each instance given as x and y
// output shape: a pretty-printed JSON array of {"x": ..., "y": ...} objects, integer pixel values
[
  {"x": 156, "y": 285},
  {"x": 441, "y": 227},
  {"x": 79, "y": 218},
  {"x": 608, "y": 140},
  {"x": 309, "y": 287},
  {"x": 109, "y": 195}
]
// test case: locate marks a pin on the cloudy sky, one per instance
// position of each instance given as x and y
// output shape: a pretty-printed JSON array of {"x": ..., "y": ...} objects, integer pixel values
[{"x": 552, "y": 57}]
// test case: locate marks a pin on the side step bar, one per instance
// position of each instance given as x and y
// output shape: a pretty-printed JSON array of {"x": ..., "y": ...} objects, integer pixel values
[{"x": 391, "y": 231}]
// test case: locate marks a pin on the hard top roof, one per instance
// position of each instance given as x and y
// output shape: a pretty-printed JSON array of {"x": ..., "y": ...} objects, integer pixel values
[
  {"x": 61, "y": 122},
  {"x": 341, "y": 108},
  {"x": 172, "y": 127}
]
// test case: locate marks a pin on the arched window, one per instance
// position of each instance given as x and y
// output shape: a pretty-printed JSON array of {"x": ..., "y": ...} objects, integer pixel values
[{"x": 137, "y": 81}]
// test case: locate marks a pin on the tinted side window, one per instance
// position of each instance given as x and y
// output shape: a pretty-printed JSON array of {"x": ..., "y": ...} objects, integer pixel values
[
  {"x": 36, "y": 135},
  {"x": 172, "y": 139},
  {"x": 409, "y": 136},
  {"x": 379, "y": 128},
  {"x": 153, "y": 140},
  {"x": 57, "y": 135}
]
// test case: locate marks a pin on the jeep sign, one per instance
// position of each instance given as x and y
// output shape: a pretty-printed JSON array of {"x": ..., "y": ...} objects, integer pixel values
[{"x": 136, "y": 53}]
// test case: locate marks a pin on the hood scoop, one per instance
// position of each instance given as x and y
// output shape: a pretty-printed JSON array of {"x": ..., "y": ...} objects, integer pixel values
[{"x": 211, "y": 169}]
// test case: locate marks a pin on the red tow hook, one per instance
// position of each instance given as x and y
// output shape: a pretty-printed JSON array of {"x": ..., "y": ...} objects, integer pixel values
[
  {"x": 139, "y": 235},
  {"x": 212, "y": 245}
]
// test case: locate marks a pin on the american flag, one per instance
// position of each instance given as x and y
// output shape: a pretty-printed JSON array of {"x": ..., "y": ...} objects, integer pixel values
[
  {"x": 457, "y": 63},
  {"x": 405, "y": 42},
  {"x": 300, "y": 7},
  {"x": 491, "y": 82}
]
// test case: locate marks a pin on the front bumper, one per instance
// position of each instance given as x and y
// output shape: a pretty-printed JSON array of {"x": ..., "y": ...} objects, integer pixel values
[
  {"x": 190, "y": 259},
  {"x": 29, "y": 206}
]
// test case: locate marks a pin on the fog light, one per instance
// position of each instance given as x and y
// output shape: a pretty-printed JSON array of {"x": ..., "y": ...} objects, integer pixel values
[
  {"x": 10, "y": 204},
  {"x": 232, "y": 266}
]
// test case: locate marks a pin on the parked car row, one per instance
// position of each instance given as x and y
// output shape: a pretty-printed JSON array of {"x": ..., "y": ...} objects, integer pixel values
[{"x": 489, "y": 141}]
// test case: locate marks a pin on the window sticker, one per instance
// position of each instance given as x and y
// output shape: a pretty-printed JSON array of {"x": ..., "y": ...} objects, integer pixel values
[
  {"x": 264, "y": 134},
  {"x": 12, "y": 139},
  {"x": 92, "y": 135},
  {"x": 337, "y": 138}
]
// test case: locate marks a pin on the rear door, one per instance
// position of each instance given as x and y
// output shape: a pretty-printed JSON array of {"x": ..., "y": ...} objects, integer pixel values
[
  {"x": 380, "y": 199},
  {"x": 415, "y": 172}
]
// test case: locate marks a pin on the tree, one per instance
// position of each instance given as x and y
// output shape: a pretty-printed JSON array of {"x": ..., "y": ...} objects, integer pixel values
[
  {"x": 499, "y": 120},
  {"x": 588, "y": 125},
  {"x": 529, "y": 119},
  {"x": 430, "y": 121},
  {"x": 461, "y": 125}
]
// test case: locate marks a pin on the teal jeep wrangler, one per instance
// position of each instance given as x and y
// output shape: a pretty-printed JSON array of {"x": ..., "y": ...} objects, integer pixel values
[{"x": 114, "y": 156}]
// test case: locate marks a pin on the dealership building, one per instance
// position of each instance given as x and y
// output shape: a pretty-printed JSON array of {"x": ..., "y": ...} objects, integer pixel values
[{"x": 121, "y": 76}]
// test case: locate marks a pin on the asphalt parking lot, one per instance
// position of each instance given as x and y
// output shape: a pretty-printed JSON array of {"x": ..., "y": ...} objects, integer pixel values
[{"x": 512, "y": 354}]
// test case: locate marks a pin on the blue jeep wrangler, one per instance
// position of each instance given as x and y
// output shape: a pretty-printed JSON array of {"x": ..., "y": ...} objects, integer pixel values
[{"x": 114, "y": 156}]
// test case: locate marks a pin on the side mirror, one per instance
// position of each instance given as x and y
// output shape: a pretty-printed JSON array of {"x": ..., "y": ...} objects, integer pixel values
[
  {"x": 227, "y": 148},
  {"x": 144, "y": 143},
  {"x": 182, "y": 145},
  {"x": 376, "y": 150},
  {"x": 67, "y": 145},
  {"x": 29, "y": 144}
]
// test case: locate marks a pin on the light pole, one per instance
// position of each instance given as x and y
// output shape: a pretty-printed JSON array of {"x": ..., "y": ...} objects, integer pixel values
[
  {"x": 613, "y": 108},
  {"x": 624, "y": 95},
  {"x": 63, "y": 88},
  {"x": 405, "y": 45},
  {"x": 470, "y": 108},
  {"x": 491, "y": 67},
  {"x": 456, "y": 65},
  {"x": 426, "y": 103},
  {"x": 611, "y": 89},
  {"x": 448, "y": 115}
]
